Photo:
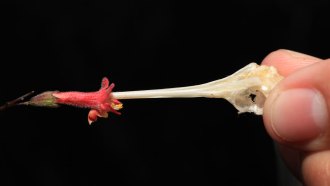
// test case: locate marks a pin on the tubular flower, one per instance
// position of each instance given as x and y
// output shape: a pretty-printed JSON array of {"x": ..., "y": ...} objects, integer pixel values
[{"x": 100, "y": 102}]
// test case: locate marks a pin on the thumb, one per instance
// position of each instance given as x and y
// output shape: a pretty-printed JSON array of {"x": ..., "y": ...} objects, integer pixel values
[{"x": 297, "y": 111}]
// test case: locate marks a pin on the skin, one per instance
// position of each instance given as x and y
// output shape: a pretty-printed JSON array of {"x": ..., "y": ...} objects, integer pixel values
[{"x": 304, "y": 142}]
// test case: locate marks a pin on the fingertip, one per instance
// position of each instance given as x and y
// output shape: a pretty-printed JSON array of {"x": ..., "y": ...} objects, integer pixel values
[
  {"x": 297, "y": 115},
  {"x": 287, "y": 61},
  {"x": 316, "y": 168},
  {"x": 297, "y": 111}
]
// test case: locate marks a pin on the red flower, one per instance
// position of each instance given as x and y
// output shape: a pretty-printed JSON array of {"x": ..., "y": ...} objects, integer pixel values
[{"x": 100, "y": 102}]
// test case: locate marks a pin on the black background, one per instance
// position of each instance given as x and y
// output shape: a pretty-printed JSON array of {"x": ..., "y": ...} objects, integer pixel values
[{"x": 71, "y": 45}]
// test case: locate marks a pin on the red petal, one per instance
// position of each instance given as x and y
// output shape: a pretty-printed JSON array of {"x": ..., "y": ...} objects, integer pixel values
[
  {"x": 92, "y": 116},
  {"x": 104, "y": 83}
]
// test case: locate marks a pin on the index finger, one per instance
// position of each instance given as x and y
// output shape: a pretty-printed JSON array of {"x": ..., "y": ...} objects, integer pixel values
[{"x": 287, "y": 61}]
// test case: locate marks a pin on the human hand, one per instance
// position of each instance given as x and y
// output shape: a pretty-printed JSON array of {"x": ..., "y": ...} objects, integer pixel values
[{"x": 296, "y": 114}]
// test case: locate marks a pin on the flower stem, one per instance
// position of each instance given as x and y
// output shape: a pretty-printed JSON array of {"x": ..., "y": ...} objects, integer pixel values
[{"x": 16, "y": 101}]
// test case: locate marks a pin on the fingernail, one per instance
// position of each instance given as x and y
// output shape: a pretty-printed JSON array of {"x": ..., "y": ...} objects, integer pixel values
[{"x": 299, "y": 114}]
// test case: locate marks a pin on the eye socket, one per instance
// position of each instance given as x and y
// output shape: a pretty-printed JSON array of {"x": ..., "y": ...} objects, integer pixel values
[{"x": 253, "y": 97}]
